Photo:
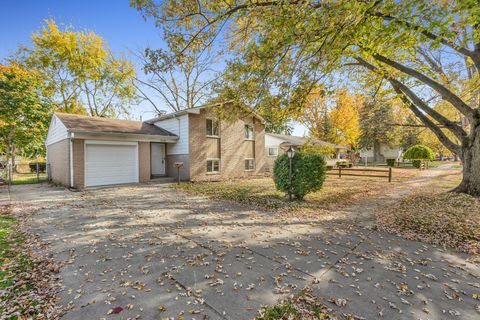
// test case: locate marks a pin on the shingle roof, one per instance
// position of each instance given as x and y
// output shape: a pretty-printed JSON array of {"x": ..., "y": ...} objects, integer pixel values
[
  {"x": 79, "y": 123},
  {"x": 299, "y": 141}
]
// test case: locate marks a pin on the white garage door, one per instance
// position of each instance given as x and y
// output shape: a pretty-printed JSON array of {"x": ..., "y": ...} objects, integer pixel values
[{"x": 110, "y": 163}]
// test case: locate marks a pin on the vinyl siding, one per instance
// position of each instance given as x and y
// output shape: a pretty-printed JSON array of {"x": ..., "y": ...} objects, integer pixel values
[
  {"x": 56, "y": 132},
  {"x": 178, "y": 126}
]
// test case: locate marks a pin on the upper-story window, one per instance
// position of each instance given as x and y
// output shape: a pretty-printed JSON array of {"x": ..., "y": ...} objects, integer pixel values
[
  {"x": 249, "y": 132},
  {"x": 273, "y": 152},
  {"x": 213, "y": 128}
]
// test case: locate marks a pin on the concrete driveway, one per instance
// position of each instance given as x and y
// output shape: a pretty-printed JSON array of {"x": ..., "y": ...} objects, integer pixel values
[{"x": 158, "y": 253}]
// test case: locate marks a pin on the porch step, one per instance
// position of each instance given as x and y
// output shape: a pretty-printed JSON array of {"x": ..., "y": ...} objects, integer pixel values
[{"x": 163, "y": 179}]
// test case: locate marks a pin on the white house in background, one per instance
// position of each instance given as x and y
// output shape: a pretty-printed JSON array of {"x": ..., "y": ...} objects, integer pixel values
[
  {"x": 385, "y": 152},
  {"x": 276, "y": 144}
]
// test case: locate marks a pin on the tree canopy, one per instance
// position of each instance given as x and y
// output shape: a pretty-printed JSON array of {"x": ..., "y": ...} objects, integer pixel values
[
  {"x": 24, "y": 113},
  {"x": 80, "y": 71},
  {"x": 290, "y": 45}
]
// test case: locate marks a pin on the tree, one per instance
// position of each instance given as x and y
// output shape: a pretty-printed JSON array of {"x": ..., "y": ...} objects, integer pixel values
[
  {"x": 316, "y": 115},
  {"x": 376, "y": 120},
  {"x": 291, "y": 42},
  {"x": 180, "y": 82},
  {"x": 346, "y": 118},
  {"x": 24, "y": 113},
  {"x": 80, "y": 71}
]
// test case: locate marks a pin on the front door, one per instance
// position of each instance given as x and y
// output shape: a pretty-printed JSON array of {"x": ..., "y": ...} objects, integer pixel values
[{"x": 158, "y": 159}]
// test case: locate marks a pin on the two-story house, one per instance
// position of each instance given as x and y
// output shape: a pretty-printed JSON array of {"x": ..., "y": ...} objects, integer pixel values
[{"x": 91, "y": 151}]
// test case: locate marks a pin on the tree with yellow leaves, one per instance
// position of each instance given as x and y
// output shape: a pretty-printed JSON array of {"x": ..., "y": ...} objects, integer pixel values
[
  {"x": 346, "y": 118},
  {"x": 80, "y": 71}
]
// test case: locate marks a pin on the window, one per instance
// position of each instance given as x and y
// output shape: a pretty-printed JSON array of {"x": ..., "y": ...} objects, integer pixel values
[
  {"x": 212, "y": 128},
  {"x": 249, "y": 164},
  {"x": 248, "y": 132},
  {"x": 273, "y": 152},
  {"x": 213, "y": 166}
]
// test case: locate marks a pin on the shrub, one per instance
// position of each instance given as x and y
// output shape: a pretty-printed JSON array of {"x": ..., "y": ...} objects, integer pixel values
[
  {"x": 42, "y": 166},
  {"x": 419, "y": 152},
  {"x": 308, "y": 173},
  {"x": 417, "y": 163},
  {"x": 391, "y": 162}
]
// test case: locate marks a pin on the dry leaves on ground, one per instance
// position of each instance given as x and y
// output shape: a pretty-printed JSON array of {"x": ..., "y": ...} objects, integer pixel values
[
  {"x": 303, "y": 306},
  {"x": 448, "y": 219},
  {"x": 28, "y": 277}
]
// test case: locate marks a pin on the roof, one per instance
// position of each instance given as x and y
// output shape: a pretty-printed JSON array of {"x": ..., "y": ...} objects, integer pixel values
[
  {"x": 196, "y": 110},
  {"x": 79, "y": 123},
  {"x": 300, "y": 141}
]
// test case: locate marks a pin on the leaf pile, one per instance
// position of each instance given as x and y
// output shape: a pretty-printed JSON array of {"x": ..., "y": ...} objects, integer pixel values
[
  {"x": 447, "y": 219},
  {"x": 28, "y": 283},
  {"x": 304, "y": 306}
]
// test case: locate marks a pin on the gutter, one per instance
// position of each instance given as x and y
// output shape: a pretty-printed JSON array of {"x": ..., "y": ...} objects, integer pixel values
[{"x": 70, "y": 157}]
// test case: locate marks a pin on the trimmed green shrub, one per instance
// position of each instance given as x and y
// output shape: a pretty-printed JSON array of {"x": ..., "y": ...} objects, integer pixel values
[
  {"x": 42, "y": 166},
  {"x": 391, "y": 162},
  {"x": 417, "y": 163},
  {"x": 419, "y": 152},
  {"x": 308, "y": 173}
]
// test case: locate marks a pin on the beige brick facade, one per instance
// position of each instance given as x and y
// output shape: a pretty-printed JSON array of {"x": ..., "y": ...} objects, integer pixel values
[
  {"x": 231, "y": 148},
  {"x": 58, "y": 160},
  {"x": 144, "y": 161},
  {"x": 79, "y": 163}
]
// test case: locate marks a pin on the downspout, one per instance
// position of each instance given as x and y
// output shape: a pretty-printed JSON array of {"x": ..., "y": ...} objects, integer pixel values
[{"x": 70, "y": 158}]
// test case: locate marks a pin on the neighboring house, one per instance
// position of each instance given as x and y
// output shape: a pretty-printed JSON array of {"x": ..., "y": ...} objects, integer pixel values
[
  {"x": 90, "y": 151},
  {"x": 385, "y": 152},
  {"x": 277, "y": 144}
]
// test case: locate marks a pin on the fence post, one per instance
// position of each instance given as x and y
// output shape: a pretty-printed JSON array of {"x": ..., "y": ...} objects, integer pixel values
[
  {"x": 389, "y": 174},
  {"x": 339, "y": 172}
]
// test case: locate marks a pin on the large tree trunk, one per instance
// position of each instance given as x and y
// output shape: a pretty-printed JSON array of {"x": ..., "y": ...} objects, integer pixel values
[
  {"x": 376, "y": 152},
  {"x": 471, "y": 165}
]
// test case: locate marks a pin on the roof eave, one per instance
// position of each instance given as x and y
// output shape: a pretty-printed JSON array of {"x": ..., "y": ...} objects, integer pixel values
[{"x": 121, "y": 135}]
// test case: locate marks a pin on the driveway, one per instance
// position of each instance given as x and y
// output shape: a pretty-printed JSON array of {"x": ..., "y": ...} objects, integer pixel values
[{"x": 159, "y": 253}]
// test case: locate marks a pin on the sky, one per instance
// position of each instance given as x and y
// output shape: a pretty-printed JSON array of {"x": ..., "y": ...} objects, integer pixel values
[{"x": 121, "y": 26}]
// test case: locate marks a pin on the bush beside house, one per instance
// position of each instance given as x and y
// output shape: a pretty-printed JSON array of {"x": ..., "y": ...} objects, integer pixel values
[{"x": 308, "y": 173}]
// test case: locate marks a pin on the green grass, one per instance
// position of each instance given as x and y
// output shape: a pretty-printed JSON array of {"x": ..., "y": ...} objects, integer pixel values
[
  {"x": 13, "y": 263},
  {"x": 6, "y": 253},
  {"x": 28, "y": 178}
]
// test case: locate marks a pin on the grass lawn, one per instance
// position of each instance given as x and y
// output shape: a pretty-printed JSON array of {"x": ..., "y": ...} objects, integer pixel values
[
  {"x": 28, "y": 178},
  {"x": 12, "y": 262},
  {"x": 301, "y": 306},
  {"x": 22, "y": 279},
  {"x": 436, "y": 216},
  {"x": 262, "y": 193}
]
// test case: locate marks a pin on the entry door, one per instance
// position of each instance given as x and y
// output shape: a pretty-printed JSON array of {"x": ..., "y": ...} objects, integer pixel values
[{"x": 158, "y": 158}]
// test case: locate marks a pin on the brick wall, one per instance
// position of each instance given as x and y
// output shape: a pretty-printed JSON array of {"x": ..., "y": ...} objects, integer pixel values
[
  {"x": 78, "y": 163},
  {"x": 231, "y": 148},
  {"x": 57, "y": 155},
  {"x": 144, "y": 161}
]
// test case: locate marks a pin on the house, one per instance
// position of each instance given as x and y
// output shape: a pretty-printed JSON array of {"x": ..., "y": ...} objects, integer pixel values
[
  {"x": 277, "y": 144},
  {"x": 87, "y": 151},
  {"x": 385, "y": 152}
]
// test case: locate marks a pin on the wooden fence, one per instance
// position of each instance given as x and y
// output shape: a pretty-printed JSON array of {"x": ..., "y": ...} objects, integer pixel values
[{"x": 375, "y": 173}]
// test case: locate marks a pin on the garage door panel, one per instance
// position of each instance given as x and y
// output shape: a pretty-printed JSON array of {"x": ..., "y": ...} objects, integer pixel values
[{"x": 110, "y": 164}]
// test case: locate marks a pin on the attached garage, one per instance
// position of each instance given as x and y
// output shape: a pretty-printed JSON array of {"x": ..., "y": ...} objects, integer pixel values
[
  {"x": 91, "y": 151},
  {"x": 110, "y": 162}
]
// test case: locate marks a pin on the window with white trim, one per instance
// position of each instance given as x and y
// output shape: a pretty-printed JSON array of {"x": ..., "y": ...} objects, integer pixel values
[
  {"x": 273, "y": 152},
  {"x": 213, "y": 166},
  {"x": 248, "y": 132},
  {"x": 213, "y": 128},
  {"x": 249, "y": 164}
]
